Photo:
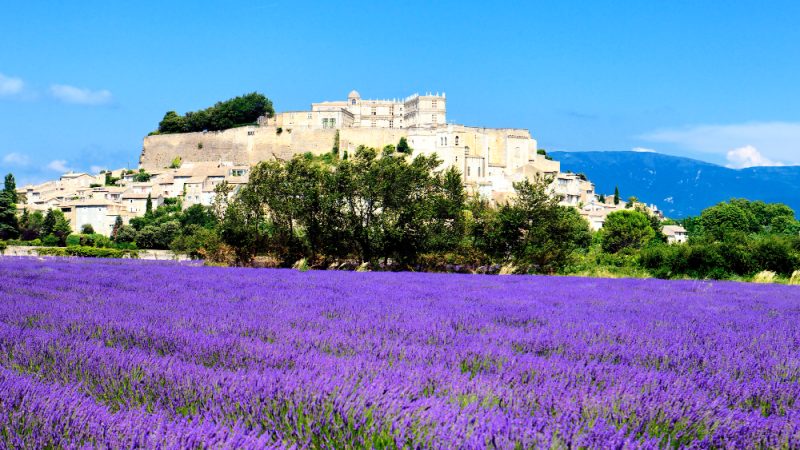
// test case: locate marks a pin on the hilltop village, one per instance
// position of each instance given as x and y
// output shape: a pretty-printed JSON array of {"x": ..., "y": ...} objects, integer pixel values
[{"x": 189, "y": 166}]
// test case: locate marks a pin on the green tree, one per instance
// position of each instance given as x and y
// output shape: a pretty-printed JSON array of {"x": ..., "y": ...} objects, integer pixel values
[
  {"x": 449, "y": 229},
  {"x": 237, "y": 111},
  {"x": 117, "y": 226},
  {"x": 141, "y": 176},
  {"x": 616, "y": 195},
  {"x": 125, "y": 234},
  {"x": 545, "y": 235},
  {"x": 626, "y": 229},
  {"x": 196, "y": 241},
  {"x": 199, "y": 215},
  {"x": 403, "y": 147},
  {"x": 30, "y": 225},
  {"x": 172, "y": 123},
  {"x": 56, "y": 227},
  {"x": 726, "y": 220},
  {"x": 110, "y": 180},
  {"x": 335, "y": 149},
  {"x": 49, "y": 222},
  {"x": 148, "y": 206},
  {"x": 87, "y": 228},
  {"x": 10, "y": 188},
  {"x": 9, "y": 225}
]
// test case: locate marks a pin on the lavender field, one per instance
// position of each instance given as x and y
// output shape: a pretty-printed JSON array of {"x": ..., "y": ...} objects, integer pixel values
[{"x": 126, "y": 354}]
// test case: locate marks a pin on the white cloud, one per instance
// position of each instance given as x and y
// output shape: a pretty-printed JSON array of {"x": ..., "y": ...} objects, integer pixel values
[
  {"x": 80, "y": 96},
  {"x": 748, "y": 156},
  {"x": 777, "y": 141},
  {"x": 642, "y": 150},
  {"x": 58, "y": 165},
  {"x": 10, "y": 85},
  {"x": 16, "y": 159}
]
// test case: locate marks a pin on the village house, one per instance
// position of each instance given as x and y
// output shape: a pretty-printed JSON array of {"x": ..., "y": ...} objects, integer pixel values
[{"x": 675, "y": 234}]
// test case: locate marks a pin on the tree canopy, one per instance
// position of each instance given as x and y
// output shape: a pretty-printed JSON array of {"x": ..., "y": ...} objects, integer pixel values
[
  {"x": 626, "y": 229},
  {"x": 231, "y": 113}
]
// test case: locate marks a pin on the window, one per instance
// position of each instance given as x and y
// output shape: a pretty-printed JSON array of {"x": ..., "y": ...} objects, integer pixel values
[
  {"x": 468, "y": 170},
  {"x": 353, "y": 101},
  {"x": 309, "y": 115},
  {"x": 373, "y": 123},
  {"x": 456, "y": 141},
  {"x": 433, "y": 118},
  {"x": 333, "y": 123},
  {"x": 391, "y": 124},
  {"x": 433, "y": 104},
  {"x": 251, "y": 132}
]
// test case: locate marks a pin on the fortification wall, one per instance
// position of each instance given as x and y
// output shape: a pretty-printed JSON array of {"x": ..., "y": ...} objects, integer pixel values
[{"x": 249, "y": 145}]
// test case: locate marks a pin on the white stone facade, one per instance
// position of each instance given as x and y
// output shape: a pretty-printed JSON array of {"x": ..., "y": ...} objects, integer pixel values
[{"x": 423, "y": 111}]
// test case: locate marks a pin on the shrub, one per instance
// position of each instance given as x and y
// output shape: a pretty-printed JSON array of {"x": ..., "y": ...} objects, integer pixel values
[
  {"x": 88, "y": 252},
  {"x": 141, "y": 176},
  {"x": 795, "y": 279},
  {"x": 87, "y": 228},
  {"x": 3, "y": 246},
  {"x": 88, "y": 240},
  {"x": 31, "y": 243},
  {"x": 51, "y": 240},
  {"x": 765, "y": 276},
  {"x": 125, "y": 235},
  {"x": 775, "y": 254}
]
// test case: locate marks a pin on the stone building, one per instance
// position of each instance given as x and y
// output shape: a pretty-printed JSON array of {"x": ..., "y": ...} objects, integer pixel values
[
  {"x": 489, "y": 159},
  {"x": 423, "y": 111}
]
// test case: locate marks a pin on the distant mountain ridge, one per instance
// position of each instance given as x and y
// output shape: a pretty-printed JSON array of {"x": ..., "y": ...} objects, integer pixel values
[{"x": 679, "y": 186}]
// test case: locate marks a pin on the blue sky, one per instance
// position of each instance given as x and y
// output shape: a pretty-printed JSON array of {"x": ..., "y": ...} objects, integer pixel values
[{"x": 81, "y": 83}]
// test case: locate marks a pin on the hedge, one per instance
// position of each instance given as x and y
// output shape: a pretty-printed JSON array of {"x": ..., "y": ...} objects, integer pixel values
[{"x": 89, "y": 252}]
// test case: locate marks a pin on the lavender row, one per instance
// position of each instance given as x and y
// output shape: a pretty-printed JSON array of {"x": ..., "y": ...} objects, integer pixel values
[{"x": 406, "y": 360}]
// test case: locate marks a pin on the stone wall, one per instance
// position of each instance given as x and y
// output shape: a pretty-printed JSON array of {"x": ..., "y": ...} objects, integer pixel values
[
  {"x": 159, "y": 255},
  {"x": 251, "y": 144}
]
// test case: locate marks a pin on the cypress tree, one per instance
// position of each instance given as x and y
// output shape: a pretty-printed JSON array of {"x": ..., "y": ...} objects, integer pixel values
[
  {"x": 9, "y": 226},
  {"x": 117, "y": 226},
  {"x": 336, "y": 143},
  {"x": 10, "y": 188},
  {"x": 616, "y": 195},
  {"x": 49, "y": 222}
]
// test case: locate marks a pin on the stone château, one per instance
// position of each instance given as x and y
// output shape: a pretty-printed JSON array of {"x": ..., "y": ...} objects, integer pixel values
[{"x": 489, "y": 159}]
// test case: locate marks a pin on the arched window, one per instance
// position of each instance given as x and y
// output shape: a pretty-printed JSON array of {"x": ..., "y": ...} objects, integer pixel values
[{"x": 353, "y": 101}]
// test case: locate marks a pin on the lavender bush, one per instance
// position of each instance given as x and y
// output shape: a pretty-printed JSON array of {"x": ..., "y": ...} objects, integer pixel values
[{"x": 132, "y": 354}]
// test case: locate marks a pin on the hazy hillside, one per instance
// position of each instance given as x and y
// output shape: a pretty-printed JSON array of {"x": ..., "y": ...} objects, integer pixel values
[{"x": 682, "y": 186}]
